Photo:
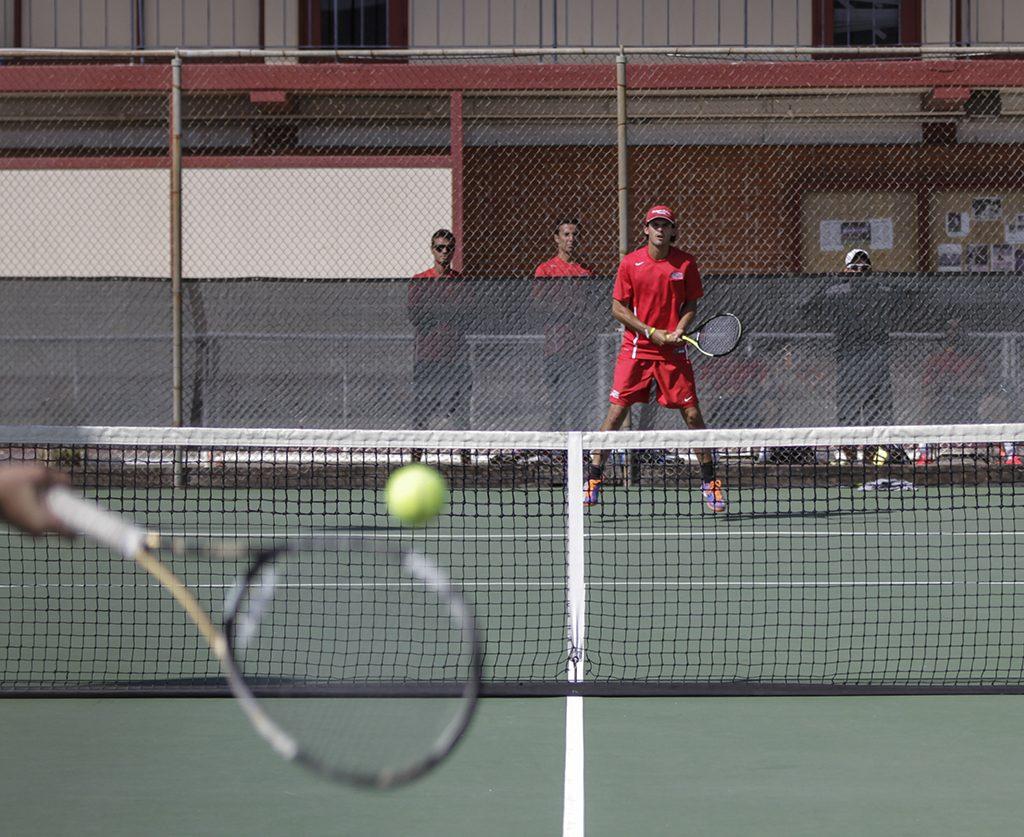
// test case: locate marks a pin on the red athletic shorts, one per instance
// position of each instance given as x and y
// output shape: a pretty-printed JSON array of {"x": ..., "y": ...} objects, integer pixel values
[{"x": 673, "y": 375}]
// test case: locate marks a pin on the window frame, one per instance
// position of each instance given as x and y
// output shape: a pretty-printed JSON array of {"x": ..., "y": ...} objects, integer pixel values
[
  {"x": 823, "y": 23},
  {"x": 311, "y": 35}
]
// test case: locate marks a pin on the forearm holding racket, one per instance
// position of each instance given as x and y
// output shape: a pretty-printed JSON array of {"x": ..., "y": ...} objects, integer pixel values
[{"x": 658, "y": 336}]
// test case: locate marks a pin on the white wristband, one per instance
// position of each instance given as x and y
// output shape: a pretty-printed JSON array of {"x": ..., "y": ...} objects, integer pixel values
[{"x": 648, "y": 331}]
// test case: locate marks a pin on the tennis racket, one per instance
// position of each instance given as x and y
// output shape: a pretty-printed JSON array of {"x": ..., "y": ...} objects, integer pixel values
[
  {"x": 354, "y": 659},
  {"x": 716, "y": 336}
]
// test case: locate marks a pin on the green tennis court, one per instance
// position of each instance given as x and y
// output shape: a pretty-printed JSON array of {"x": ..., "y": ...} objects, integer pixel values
[
  {"x": 660, "y": 766},
  {"x": 824, "y": 579}
]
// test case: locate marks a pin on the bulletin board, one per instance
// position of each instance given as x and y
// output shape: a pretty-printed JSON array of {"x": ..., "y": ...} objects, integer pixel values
[{"x": 883, "y": 223}]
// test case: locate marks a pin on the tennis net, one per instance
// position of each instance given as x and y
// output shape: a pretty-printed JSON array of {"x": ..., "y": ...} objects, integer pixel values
[{"x": 849, "y": 559}]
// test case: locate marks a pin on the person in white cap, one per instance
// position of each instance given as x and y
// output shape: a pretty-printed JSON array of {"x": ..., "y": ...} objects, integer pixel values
[
  {"x": 655, "y": 299},
  {"x": 862, "y": 351}
]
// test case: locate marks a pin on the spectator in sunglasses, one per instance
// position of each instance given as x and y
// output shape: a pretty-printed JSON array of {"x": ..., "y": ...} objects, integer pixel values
[{"x": 441, "y": 378}]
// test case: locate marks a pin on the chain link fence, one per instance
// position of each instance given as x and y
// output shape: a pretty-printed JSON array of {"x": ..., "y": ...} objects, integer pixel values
[{"x": 311, "y": 192}]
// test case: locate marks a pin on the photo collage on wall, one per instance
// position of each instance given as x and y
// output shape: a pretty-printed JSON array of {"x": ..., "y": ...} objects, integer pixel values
[{"x": 987, "y": 218}]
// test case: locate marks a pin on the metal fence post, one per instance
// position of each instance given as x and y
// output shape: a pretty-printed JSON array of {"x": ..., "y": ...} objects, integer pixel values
[
  {"x": 176, "y": 363},
  {"x": 623, "y": 147}
]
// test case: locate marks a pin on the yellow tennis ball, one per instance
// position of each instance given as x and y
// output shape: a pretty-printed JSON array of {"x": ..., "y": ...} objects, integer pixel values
[{"x": 415, "y": 494}]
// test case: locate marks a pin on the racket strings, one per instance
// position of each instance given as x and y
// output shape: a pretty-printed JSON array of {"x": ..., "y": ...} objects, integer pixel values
[{"x": 719, "y": 335}]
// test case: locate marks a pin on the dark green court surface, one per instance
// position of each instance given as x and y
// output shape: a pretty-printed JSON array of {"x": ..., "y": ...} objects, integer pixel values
[{"x": 912, "y": 766}]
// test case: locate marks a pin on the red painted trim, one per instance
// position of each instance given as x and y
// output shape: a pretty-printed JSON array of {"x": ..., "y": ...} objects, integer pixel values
[
  {"x": 392, "y": 76},
  {"x": 737, "y": 75},
  {"x": 457, "y": 164},
  {"x": 18, "y": 23},
  {"x": 910, "y": 23},
  {"x": 232, "y": 162},
  {"x": 76, "y": 78},
  {"x": 398, "y": 23},
  {"x": 268, "y": 97},
  {"x": 338, "y": 161},
  {"x": 309, "y": 23},
  {"x": 19, "y": 163},
  {"x": 823, "y": 23}
]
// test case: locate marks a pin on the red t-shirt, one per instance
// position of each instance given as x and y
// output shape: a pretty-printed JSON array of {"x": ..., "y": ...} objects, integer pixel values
[
  {"x": 431, "y": 310},
  {"x": 559, "y": 301},
  {"x": 560, "y": 267},
  {"x": 656, "y": 290}
]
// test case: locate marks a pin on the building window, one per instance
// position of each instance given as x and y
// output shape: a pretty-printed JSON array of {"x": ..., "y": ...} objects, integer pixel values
[
  {"x": 872, "y": 23},
  {"x": 353, "y": 24}
]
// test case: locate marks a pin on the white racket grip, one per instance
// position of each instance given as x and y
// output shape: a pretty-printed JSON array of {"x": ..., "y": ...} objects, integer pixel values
[{"x": 104, "y": 527}]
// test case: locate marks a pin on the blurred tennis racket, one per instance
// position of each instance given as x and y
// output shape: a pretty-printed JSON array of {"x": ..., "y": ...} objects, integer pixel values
[
  {"x": 718, "y": 335},
  {"x": 354, "y": 659}
]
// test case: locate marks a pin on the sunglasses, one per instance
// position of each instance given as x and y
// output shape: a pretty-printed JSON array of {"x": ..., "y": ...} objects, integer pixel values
[
  {"x": 444, "y": 248},
  {"x": 860, "y": 267}
]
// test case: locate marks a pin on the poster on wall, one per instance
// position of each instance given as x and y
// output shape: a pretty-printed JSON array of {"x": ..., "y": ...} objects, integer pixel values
[
  {"x": 950, "y": 258},
  {"x": 837, "y": 236},
  {"x": 881, "y": 233},
  {"x": 1015, "y": 229},
  {"x": 1002, "y": 257},
  {"x": 987, "y": 209},
  {"x": 958, "y": 224},
  {"x": 978, "y": 258}
]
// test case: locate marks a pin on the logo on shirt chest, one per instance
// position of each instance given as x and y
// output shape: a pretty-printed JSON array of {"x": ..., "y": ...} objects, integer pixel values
[{"x": 676, "y": 275}]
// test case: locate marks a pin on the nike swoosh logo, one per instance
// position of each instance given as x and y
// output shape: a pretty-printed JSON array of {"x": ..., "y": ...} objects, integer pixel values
[
  {"x": 688, "y": 400},
  {"x": 638, "y": 264}
]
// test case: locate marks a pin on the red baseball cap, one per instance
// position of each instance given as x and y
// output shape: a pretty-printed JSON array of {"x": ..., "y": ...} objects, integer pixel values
[{"x": 662, "y": 212}]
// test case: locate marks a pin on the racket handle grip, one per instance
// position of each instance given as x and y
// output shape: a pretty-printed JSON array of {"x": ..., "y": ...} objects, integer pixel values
[{"x": 104, "y": 527}]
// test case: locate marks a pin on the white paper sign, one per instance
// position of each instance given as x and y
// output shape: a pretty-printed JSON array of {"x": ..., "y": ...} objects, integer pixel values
[
  {"x": 1002, "y": 257},
  {"x": 881, "y": 233},
  {"x": 830, "y": 238}
]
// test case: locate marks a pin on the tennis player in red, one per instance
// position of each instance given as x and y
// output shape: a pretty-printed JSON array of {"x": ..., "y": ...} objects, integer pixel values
[{"x": 655, "y": 298}]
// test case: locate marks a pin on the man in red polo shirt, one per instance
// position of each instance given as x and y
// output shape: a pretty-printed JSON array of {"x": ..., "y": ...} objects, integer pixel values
[
  {"x": 440, "y": 368},
  {"x": 655, "y": 299},
  {"x": 559, "y": 294}
]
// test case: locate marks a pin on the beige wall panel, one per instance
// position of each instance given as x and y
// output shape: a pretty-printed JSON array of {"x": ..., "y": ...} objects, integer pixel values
[
  {"x": 528, "y": 31},
  {"x": 423, "y": 23},
  {"x": 197, "y": 25},
  {"x": 1014, "y": 21},
  {"x": 656, "y": 22},
  {"x": 7, "y": 20},
  {"x": 451, "y": 23},
  {"x": 936, "y": 20},
  {"x": 706, "y": 22},
  {"x": 305, "y": 223},
  {"x": 759, "y": 23},
  {"x": 987, "y": 26},
  {"x": 680, "y": 23},
  {"x": 804, "y": 29},
  {"x": 732, "y": 18},
  {"x": 472, "y": 23},
  {"x": 631, "y": 31},
  {"x": 247, "y": 23},
  {"x": 282, "y": 26},
  {"x": 901, "y": 207},
  {"x": 503, "y": 24},
  {"x": 222, "y": 23},
  {"x": 574, "y": 23},
  {"x": 82, "y": 223},
  {"x": 605, "y": 23},
  {"x": 69, "y": 23},
  {"x": 163, "y": 23},
  {"x": 278, "y": 222},
  {"x": 39, "y": 24}
]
